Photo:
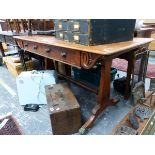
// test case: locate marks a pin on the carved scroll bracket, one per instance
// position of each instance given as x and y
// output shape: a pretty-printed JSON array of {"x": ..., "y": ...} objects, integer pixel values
[{"x": 88, "y": 60}]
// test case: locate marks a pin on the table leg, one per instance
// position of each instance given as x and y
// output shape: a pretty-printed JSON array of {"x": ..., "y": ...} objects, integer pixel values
[
  {"x": 21, "y": 55},
  {"x": 56, "y": 66},
  {"x": 48, "y": 63},
  {"x": 130, "y": 69},
  {"x": 2, "y": 49},
  {"x": 103, "y": 97},
  {"x": 68, "y": 70}
]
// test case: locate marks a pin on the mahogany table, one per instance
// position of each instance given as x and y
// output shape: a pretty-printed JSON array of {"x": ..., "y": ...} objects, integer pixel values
[
  {"x": 7, "y": 37},
  {"x": 86, "y": 57}
]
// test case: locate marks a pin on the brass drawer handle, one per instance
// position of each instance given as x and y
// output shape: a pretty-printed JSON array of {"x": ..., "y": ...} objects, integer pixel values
[
  {"x": 63, "y": 54},
  {"x": 35, "y": 47},
  {"x": 48, "y": 50}
]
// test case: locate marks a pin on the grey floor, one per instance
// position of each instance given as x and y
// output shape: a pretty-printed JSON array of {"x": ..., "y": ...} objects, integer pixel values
[{"x": 38, "y": 123}]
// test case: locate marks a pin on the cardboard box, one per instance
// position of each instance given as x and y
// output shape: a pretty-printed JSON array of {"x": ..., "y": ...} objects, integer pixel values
[{"x": 16, "y": 68}]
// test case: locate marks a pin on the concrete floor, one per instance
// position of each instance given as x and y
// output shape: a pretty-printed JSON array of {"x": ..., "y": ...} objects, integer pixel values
[{"x": 38, "y": 123}]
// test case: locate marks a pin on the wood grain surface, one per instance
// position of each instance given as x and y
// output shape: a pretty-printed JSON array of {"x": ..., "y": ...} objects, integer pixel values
[{"x": 106, "y": 49}]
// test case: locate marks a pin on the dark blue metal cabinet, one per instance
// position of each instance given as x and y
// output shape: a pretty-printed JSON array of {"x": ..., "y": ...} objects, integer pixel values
[{"x": 98, "y": 31}]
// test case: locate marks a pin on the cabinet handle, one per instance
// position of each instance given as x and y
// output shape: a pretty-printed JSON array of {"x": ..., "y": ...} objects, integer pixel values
[
  {"x": 47, "y": 50},
  {"x": 35, "y": 47},
  {"x": 25, "y": 45},
  {"x": 63, "y": 54}
]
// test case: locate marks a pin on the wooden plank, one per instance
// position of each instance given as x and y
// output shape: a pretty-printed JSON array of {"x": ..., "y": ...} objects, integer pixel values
[
  {"x": 106, "y": 49},
  {"x": 125, "y": 121}
]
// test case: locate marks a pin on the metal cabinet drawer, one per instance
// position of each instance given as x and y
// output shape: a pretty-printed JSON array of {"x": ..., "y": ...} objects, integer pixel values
[
  {"x": 79, "y": 38},
  {"x": 78, "y": 26},
  {"x": 61, "y": 25},
  {"x": 64, "y": 35}
]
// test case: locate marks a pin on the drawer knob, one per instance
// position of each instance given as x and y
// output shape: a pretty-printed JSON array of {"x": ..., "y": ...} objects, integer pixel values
[
  {"x": 63, "y": 54},
  {"x": 25, "y": 45},
  {"x": 35, "y": 47},
  {"x": 47, "y": 50}
]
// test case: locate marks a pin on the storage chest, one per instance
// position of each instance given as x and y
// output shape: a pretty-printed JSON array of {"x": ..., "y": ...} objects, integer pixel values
[
  {"x": 95, "y": 31},
  {"x": 63, "y": 108}
]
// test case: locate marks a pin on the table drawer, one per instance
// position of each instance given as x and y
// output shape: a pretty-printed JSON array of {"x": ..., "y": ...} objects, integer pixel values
[
  {"x": 68, "y": 56},
  {"x": 2, "y": 38},
  {"x": 32, "y": 47},
  {"x": 61, "y": 54}
]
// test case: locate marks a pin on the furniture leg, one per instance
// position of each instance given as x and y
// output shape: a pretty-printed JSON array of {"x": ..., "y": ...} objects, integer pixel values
[
  {"x": 48, "y": 63},
  {"x": 146, "y": 63},
  {"x": 22, "y": 60},
  {"x": 68, "y": 70},
  {"x": 130, "y": 68},
  {"x": 2, "y": 49},
  {"x": 103, "y": 97},
  {"x": 56, "y": 66}
]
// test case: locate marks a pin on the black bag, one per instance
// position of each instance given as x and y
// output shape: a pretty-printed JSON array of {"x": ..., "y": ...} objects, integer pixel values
[{"x": 120, "y": 84}]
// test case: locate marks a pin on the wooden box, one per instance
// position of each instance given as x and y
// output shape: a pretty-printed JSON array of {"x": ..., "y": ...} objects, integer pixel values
[
  {"x": 97, "y": 31},
  {"x": 64, "y": 109},
  {"x": 16, "y": 68}
]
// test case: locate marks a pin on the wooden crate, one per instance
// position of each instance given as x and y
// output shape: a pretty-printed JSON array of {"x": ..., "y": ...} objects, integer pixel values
[
  {"x": 16, "y": 68},
  {"x": 64, "y": 109}
]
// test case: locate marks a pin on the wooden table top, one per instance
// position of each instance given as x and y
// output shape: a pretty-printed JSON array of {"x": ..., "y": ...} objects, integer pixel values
[{"x": 105, "y": 49}]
